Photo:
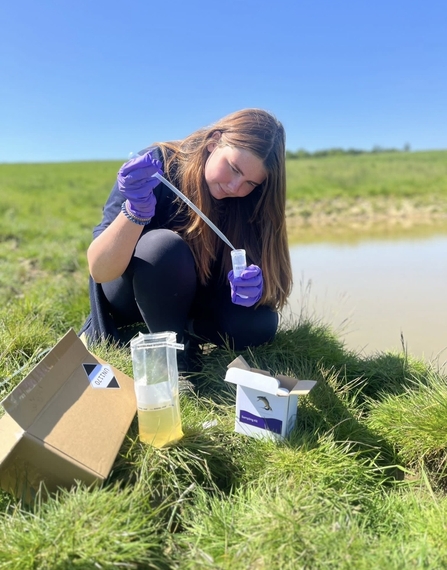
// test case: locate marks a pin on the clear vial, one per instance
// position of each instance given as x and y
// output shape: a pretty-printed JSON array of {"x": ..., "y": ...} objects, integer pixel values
[{"x": 239, "y": 261}]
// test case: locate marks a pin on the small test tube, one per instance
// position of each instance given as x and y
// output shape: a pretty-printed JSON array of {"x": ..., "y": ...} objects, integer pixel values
[{"x": 239, "y": 261}]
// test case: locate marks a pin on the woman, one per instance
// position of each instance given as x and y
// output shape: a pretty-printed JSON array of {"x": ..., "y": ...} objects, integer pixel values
[{"x": 156, "y": 264}]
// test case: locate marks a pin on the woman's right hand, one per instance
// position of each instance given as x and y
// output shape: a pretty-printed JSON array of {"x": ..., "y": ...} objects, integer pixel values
[
  {"x": 109, "y": 254},
  {"x": 136, "y": 183}
]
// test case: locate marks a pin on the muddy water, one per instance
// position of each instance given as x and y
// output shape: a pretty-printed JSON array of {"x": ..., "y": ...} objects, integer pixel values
[{"x": 379, "y": 291}]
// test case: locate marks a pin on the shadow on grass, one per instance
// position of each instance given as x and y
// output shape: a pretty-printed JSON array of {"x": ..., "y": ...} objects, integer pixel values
[
  {"x": 348, "y": 385},
  {"x": 311, "y": 347},
  {"x": 206, "y": 458},
  {"x": 325, "y": 413}
]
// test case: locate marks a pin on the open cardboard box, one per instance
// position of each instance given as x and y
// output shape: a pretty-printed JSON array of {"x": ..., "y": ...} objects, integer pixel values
[
  {"x": 64, "y": 422},
  {"x": 266, "y": 406}
]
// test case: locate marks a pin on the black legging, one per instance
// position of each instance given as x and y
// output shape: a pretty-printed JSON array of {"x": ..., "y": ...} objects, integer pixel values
[{"x": 160, "y": 287}]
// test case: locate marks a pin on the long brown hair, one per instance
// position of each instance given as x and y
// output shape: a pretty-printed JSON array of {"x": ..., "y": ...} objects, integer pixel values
[{"x": 256, "y": 222}]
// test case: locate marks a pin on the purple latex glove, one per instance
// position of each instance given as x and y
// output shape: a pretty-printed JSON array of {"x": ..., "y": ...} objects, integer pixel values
[
  {"x": 246, "y": 290},
  {"x": 136, "y": 183}
]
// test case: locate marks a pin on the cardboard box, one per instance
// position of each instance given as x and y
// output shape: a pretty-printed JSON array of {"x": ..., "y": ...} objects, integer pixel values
[
  {"x": 266, "y": 406},
  {"x": 64, "y": 422}
]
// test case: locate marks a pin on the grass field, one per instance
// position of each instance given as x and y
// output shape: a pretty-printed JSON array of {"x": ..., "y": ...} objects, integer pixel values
[
  {"x": 419, "y": 175},
  {"x": 409, "y": 188},
  {"x": 360, "y": 483}
]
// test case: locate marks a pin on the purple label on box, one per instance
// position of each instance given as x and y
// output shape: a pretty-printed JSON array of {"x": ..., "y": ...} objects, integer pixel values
[{"x": 270, "y": 424}]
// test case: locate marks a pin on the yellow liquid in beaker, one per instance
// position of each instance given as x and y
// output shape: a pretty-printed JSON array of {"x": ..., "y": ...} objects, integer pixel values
[{"x": 161, "y": 426}]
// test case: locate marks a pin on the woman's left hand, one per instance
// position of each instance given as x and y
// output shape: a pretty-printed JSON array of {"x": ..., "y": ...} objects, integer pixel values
[{"x": 246, "y": 290}]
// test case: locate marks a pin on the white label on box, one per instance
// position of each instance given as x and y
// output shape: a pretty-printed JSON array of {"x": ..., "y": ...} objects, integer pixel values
[{"x": 100, "y": 376}]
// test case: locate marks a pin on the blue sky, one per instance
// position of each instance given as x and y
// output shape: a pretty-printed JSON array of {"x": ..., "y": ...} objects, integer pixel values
[{"x": 89, "y": 79}]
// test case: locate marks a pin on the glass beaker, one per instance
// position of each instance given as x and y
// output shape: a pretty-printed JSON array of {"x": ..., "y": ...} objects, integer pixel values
[{"x": 154, "y": 362}]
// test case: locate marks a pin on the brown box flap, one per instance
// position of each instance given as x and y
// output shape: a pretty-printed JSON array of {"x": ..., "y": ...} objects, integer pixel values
[
  {"x": 58, "y": 406},
  {"x": 34, "y": 392},
  {"x": 92, "y": 429},
  {"x": 10, "y": 434},
  {"x": 31, "y": 464}
]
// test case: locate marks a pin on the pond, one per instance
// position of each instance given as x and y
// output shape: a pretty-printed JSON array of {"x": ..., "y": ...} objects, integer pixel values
[{"x": 380, "y": 291}]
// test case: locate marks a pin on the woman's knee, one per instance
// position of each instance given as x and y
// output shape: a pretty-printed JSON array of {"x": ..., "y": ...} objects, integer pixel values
[
  {"x": 260, "y": 327},
  {"x": 164, "y": 247},
  {"x": 250, "y": 327},
  {"x": 163, "y": 264}
]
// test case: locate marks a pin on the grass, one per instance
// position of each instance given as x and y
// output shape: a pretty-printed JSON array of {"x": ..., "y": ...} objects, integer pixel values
[
  {"x": 367, "y": 189},
  {"x": 419, "y": 175},
  {"x": 360, "y": 483}
]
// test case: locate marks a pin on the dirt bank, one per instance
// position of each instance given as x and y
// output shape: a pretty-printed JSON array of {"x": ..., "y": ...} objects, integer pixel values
[{"x": 363, "y": 215}]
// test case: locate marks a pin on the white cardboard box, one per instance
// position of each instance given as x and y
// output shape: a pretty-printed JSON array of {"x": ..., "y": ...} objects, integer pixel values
[{"x": 266, "y": 406}]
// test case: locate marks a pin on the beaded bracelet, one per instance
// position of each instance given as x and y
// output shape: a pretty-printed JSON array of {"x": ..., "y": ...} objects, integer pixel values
[{"x": 132, "y": 218}]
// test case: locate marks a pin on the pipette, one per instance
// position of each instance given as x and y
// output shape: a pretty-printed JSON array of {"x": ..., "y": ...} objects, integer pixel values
[{"x": 195, "y": 208}]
